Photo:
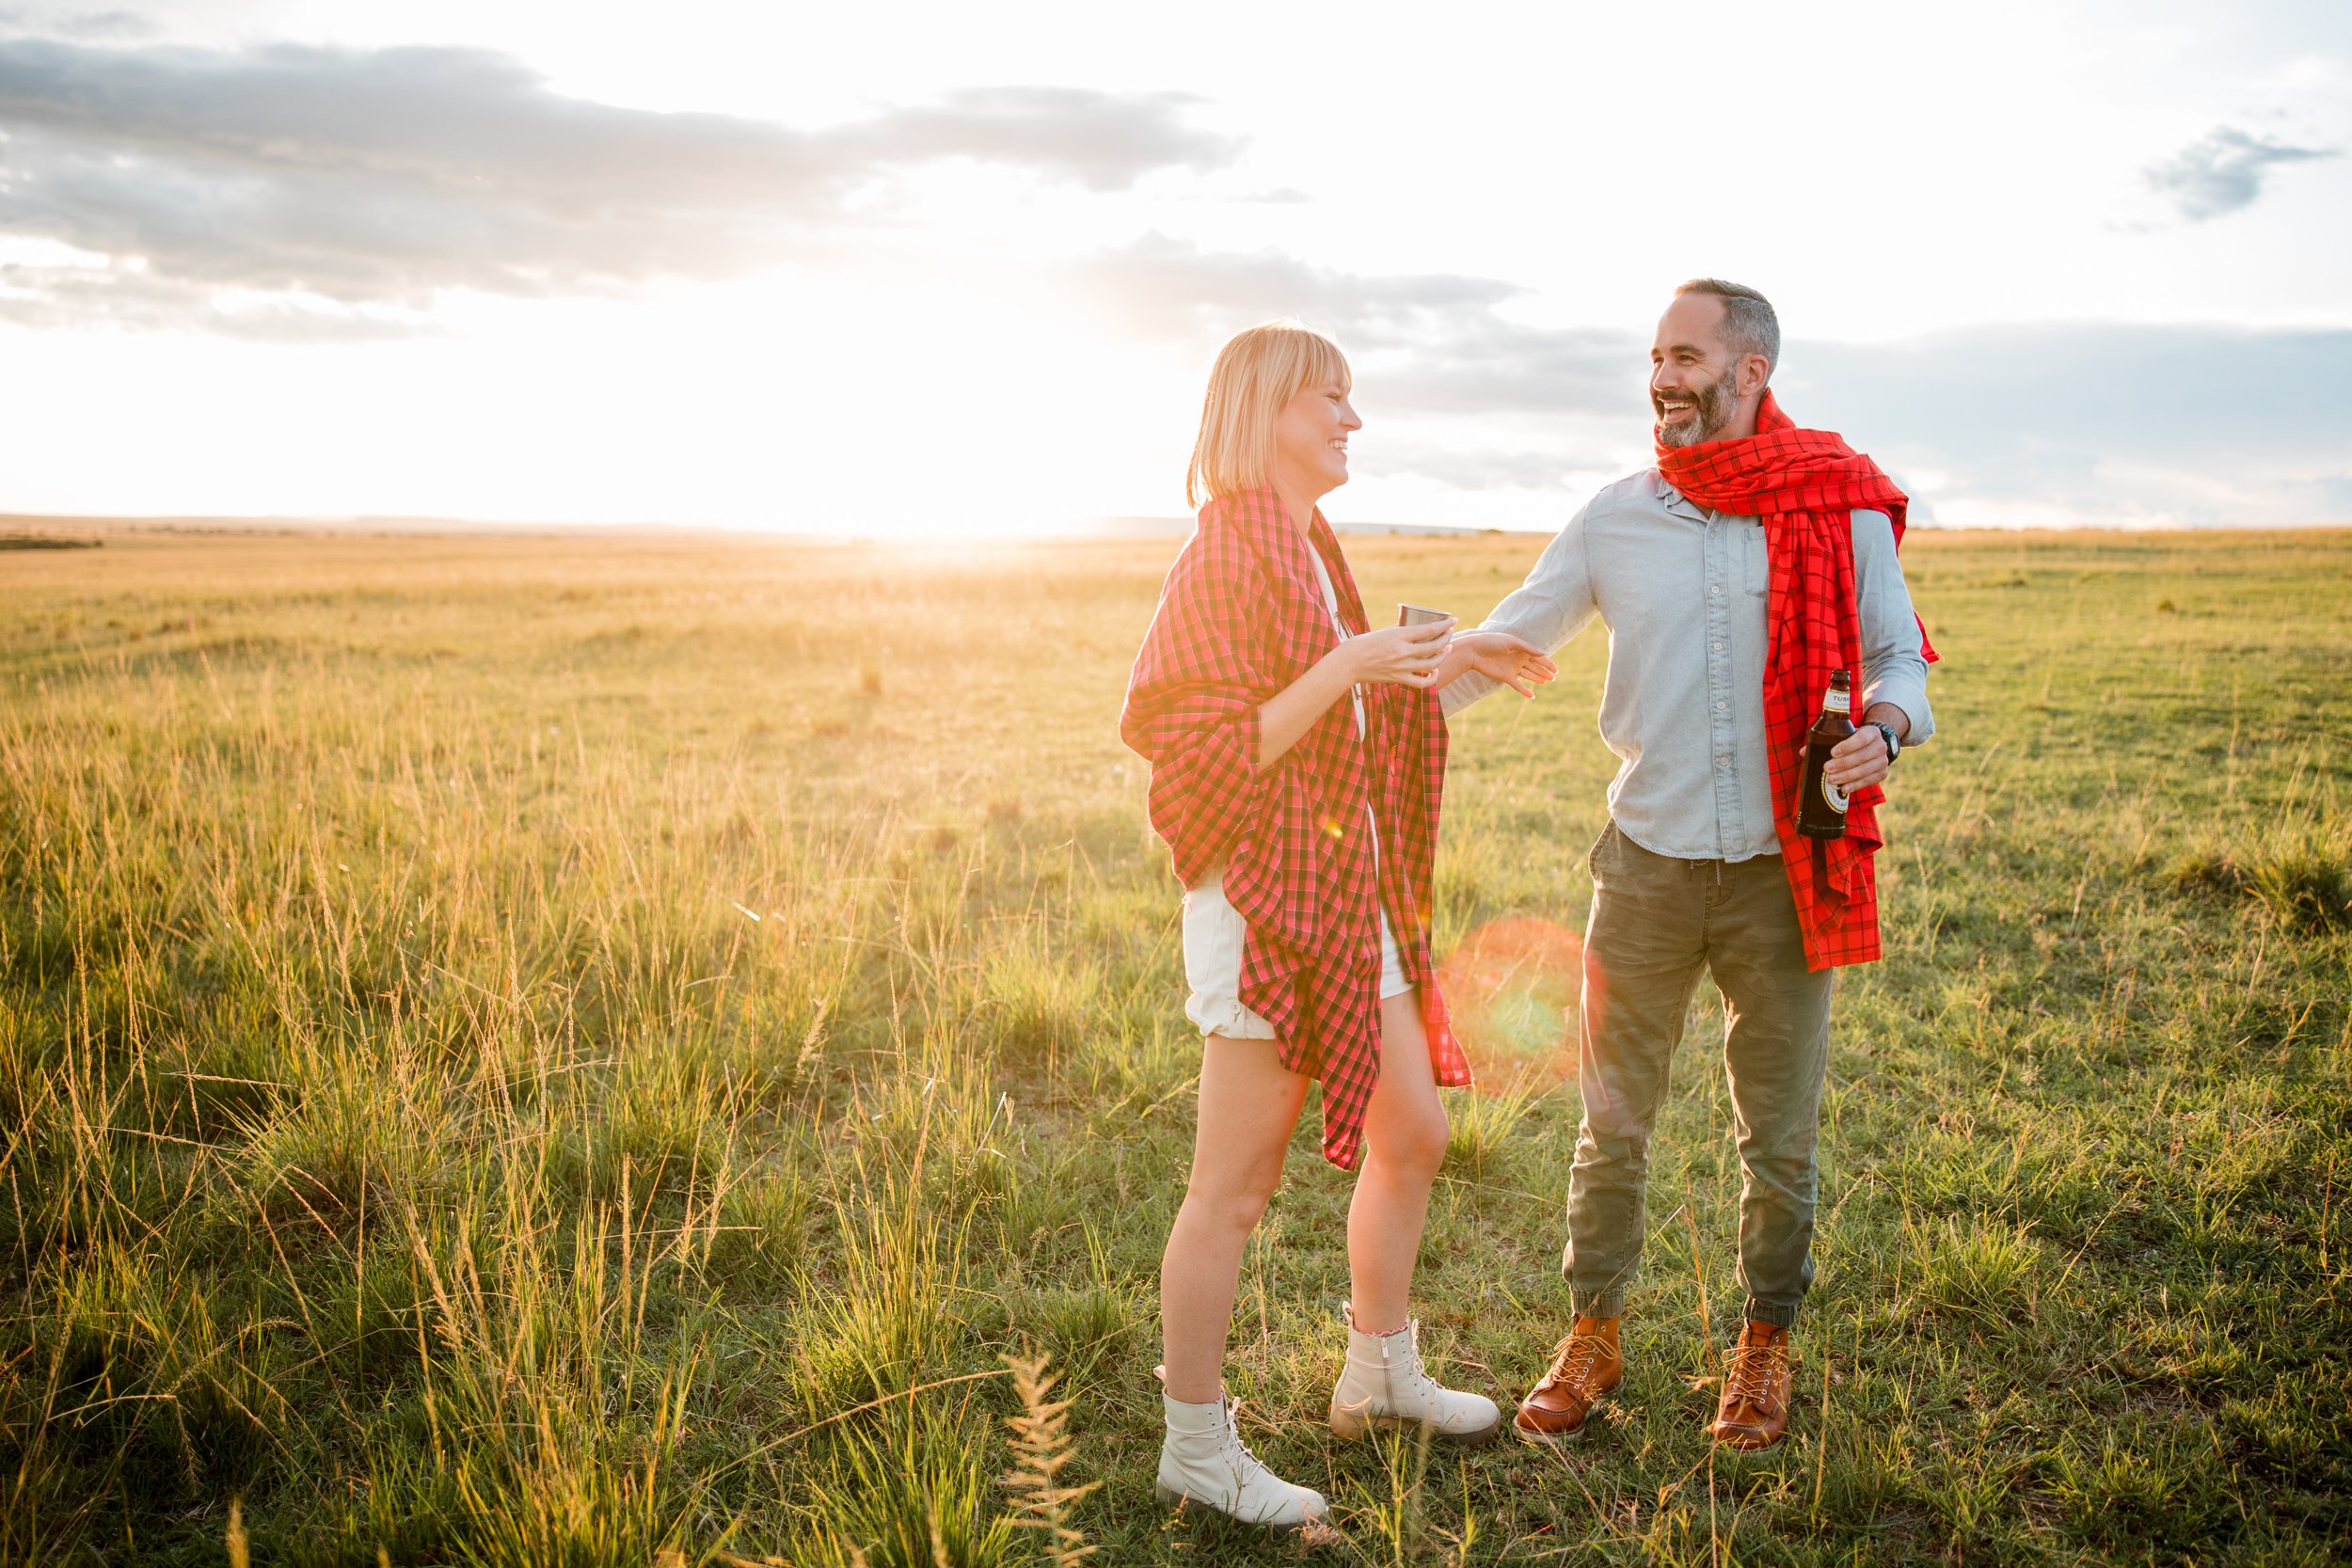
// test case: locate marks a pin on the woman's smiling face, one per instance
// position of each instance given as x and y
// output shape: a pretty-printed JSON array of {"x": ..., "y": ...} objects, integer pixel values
[{"x": 1310, "y": 439}]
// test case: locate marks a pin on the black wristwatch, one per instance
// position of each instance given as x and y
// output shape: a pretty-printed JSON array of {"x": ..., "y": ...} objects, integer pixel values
[{"x": 1893, "y": 747}]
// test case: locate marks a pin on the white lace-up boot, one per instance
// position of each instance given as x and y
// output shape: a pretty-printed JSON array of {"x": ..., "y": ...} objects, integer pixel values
[
  {"x": 1384, "y": 1386},
  {"x": 1203, "y": 1462}
]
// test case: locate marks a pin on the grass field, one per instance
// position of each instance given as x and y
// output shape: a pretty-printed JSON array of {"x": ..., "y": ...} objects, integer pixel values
[{"x": 525, "y": 1050}]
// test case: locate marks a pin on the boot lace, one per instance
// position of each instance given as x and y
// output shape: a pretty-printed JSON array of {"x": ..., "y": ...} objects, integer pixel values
[
  {"x": 1753, "y": 1371},
  {"x": 1246, "y": 1466},
  {"x": 1416, "y": 1378},
  {"x": 1573, "y": 1359}
]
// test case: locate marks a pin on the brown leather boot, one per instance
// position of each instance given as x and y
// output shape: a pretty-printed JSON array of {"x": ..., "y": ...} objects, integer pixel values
[
  {"x": 1585, "y": 1367},
  {"x": 1757, "y": 1385}
]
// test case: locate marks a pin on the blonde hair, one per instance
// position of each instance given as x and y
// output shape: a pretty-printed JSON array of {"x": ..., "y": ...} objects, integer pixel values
[{"x": 1255, "y": 374}]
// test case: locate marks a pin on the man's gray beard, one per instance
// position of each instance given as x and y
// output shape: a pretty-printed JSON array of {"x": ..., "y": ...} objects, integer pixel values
[{"x": 1717, "y": 407}]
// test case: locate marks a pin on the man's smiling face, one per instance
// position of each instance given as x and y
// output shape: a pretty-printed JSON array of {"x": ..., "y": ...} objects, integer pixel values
[{"x": 1695, "y": 383}]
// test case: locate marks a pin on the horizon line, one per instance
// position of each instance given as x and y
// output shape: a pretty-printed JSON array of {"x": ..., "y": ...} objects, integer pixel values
[{"x": 1091, "y": 530}]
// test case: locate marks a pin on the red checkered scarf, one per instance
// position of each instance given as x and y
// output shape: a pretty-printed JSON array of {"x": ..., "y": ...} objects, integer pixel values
[
  {"x": 1240, "y": 618},
  {"x": 1804, "y": 485}
]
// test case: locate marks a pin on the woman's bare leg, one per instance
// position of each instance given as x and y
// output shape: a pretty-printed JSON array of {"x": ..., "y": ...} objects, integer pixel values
[
  {"x": 1405, "y": 1130},
  {"x": 1248, "y": 1104}
]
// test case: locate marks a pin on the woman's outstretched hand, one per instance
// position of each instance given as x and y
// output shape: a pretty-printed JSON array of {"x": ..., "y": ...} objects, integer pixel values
[
  {"x": 1501, "y": 657},
  {"x": 1402, "y": 656}
]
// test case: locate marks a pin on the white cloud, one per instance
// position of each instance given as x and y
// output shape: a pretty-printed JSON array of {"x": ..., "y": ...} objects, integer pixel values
[
  {"x": 1161, "y": 287},
  {"x": 2148, "y": 421},
  {"x": 367, "y": 181},
  {"x": 2223, "y": 171},
  {"x": 2115, "y": 420},
  {"x": 1437, "y": 340}
]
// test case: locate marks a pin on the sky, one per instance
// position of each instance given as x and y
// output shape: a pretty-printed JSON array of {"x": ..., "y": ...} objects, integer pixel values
[{"x": 954, "y": 271}]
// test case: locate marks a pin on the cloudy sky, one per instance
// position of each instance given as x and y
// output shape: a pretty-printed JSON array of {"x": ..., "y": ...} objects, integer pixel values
[{"x": 960, "y": 270}]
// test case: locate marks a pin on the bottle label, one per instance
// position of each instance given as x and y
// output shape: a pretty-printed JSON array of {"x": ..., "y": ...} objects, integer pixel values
[
  {"x": 1834, "y": 796},
  {"x": 1835, "y": 701}
]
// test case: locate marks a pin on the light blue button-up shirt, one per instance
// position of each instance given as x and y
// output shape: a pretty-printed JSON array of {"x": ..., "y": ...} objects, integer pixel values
[{"x": 1682, "y": 591}]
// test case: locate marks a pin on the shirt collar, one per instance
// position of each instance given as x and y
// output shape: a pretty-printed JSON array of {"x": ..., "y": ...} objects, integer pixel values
[{"x": 1675, "y": 500}]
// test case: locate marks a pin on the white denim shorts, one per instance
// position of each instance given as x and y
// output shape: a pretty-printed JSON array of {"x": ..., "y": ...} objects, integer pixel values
[{"x": 1213, "y": 931}]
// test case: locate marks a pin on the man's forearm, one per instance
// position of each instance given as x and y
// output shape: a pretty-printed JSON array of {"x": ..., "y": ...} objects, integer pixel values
[
  {"x": 1892, "y": 716},
  {"x": 1547, "y": 610}
]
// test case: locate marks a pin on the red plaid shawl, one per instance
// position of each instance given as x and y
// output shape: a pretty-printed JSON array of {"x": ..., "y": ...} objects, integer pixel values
[
  {"x": 1240, "y": 618},
  {"x": 1804, "y": 485}
]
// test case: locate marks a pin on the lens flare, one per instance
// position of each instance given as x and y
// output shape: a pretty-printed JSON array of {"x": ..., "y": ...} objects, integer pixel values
[{"x": 1513, "y": 988}]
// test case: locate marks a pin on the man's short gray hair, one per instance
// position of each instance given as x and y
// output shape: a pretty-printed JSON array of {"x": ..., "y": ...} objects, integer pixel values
[{"x": 1749, "y": 324}]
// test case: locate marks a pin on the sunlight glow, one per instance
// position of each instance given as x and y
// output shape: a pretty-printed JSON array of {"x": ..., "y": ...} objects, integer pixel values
[{"x": 952, "y": 347}]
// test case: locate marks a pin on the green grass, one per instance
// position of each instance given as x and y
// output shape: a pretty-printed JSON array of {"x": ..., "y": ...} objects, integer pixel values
[{"x": 524, "y": 1051}]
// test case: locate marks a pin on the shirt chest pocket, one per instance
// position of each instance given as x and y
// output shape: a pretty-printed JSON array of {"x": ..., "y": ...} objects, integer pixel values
[{"x": 1755, "y": 560}]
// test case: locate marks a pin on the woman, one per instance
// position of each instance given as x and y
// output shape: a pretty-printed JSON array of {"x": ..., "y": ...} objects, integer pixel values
[{"x": 1297, "y": 761}]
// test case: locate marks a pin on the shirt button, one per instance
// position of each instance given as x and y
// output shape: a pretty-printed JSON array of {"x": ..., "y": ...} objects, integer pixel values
[
  {"x": 1718, "y": 648},
  {"x": 1719, "y": 707},
  {"x": 1717, "y": 588}
]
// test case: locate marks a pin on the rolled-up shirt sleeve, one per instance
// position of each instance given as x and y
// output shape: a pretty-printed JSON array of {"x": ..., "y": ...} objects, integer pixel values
[
  {"x": 1892, "y": 670},
  {"x": 1551, "y": 606}
]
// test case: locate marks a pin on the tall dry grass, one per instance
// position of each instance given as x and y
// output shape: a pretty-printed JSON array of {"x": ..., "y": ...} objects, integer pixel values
[{"x": 579, "y": 1052}]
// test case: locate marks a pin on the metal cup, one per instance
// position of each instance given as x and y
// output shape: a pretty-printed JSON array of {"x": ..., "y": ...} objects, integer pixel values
[{"x": 1419, "y": 615}]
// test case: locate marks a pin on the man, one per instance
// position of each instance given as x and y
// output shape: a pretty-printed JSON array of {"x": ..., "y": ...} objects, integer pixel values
[{"x": 1734, "y": 577}]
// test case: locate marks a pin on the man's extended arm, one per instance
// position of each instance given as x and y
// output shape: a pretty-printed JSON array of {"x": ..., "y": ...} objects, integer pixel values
[{"x": 1550, "y": 607}]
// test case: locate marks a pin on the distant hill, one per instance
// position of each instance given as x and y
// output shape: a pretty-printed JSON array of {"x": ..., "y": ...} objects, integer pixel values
[
  {"x": 1148, "y": 528},
  {"x": 90, "y": 528}
]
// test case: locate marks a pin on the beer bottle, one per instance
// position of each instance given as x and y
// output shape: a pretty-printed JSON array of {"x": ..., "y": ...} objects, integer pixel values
[{"x": 1821, "y": 809}]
